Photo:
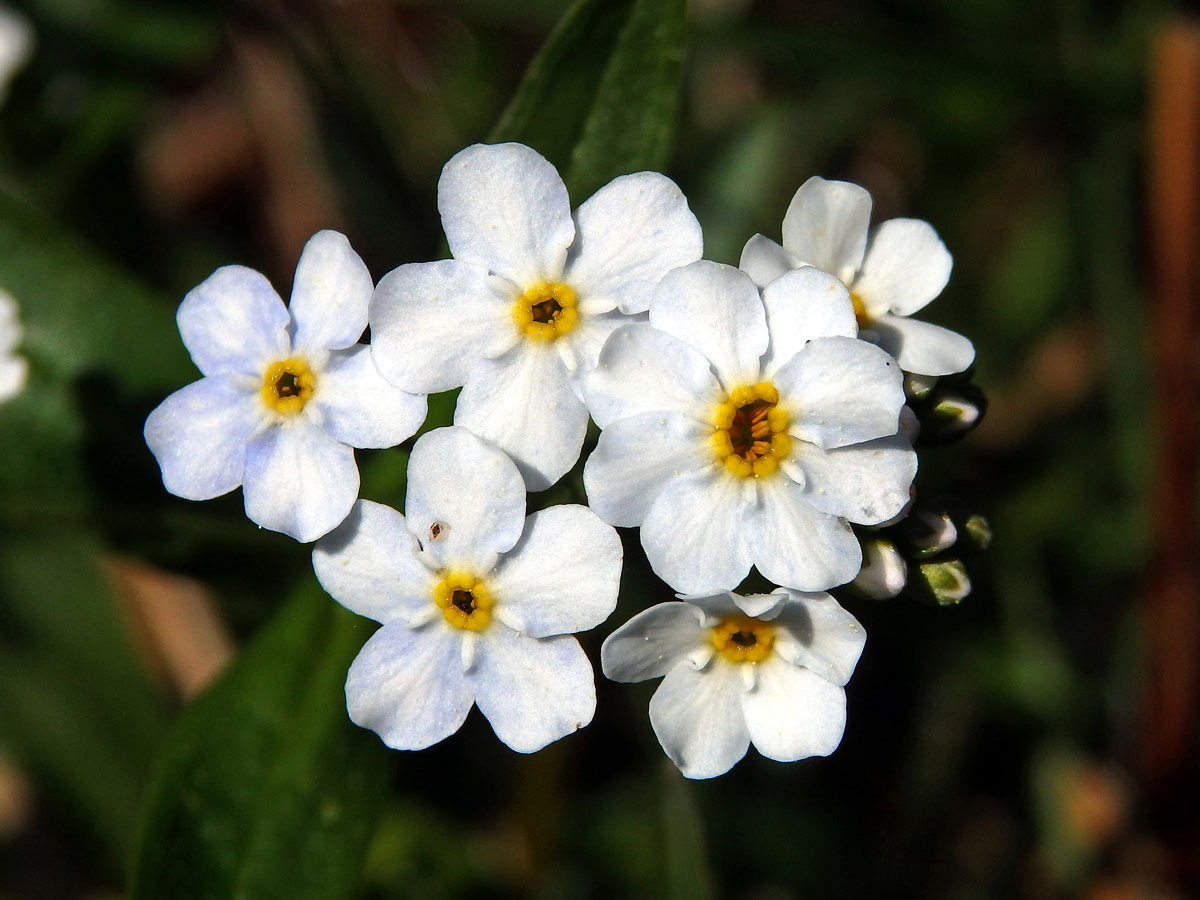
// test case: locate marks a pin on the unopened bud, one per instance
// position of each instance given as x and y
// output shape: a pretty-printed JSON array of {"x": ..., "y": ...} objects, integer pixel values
[
  {"x": 927, "y": 532},
  {"x": 944, "y": 583},
  {"x": 978, "y": 532},
  {"x": 950, "y": 412},
  {"x": 918, "y": 386},
  {"x": 884, "y": 571}
]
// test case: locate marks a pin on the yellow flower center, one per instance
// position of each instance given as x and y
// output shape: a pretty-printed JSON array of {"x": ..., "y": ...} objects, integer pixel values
[
  {"x": 546, "y": 311},
  {"x": 750, "y": 435},
  {"x": 743, "y": 639},
  {"x": 860, "y": 311},
  {"x": 288, "y": 385},
  {"x": 464, "y": 600}
]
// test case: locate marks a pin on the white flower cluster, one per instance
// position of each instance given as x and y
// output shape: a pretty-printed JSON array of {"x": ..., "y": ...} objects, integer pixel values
[{"x": 745, "y": 423}]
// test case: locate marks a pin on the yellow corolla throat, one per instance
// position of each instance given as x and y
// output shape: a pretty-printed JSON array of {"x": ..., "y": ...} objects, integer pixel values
[
  {"x": 860, "y": 311},
  {"x": 743, "y": 639},
  {"x": 464, "y": 600},
  {"x": 288, "y": 385},
  {"x": 546, "y": 311},
  {"x": 750, "y": 435}
]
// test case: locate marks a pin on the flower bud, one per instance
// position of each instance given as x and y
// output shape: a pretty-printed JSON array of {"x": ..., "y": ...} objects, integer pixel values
[
  {"x": 944, "y": 583},
  {"x": 884, "y": 571}
]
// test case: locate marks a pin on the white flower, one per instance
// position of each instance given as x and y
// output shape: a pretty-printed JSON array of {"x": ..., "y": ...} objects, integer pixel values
[
  {"x": 477, "y": 601},
  {"x": 901, "y": 268},
  {"x": 767, "y": 669},
  {"x": 742, "y": 429},
  {"x": 287, "y": 393},
  {"x": 530, "y": 296},
  {"x": 13, "y": 369},
  {"x": 16, "y": 46}
]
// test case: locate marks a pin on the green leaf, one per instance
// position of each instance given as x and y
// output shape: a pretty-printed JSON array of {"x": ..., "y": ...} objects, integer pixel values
[
  {"x": 82, "y": 317},
  {"x": 77, "y": 707},
  {"x": 265, "y": 789},
  {"x": 599, "y": 99},
  {"x": 632, "y": 120}
]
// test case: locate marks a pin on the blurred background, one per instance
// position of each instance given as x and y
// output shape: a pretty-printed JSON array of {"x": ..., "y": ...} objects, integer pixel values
[{"x": 1037, "y": 739}]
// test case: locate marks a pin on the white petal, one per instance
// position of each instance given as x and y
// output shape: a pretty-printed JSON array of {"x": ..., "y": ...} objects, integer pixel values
[
  {"x": 793, "y": 713},
  {"x": 653, "y": 642},
  {"x": 564, "y": 573},
  {"x": 14, "y": 372},
  {"x": 370, "y": 564},
  {"x": 796, "y": 545},
  {"x": 407, "y": 686},
  {"x": 361, "y": 408},
  {"x": 431, "y": 322},
  {"x": 199, "y": 434},
  {"x": 906, "y": 266},
  {"x": 630, "y": 233},
  {"x": 717, "y": 310},
  {"x": 765, "y": 606},
  {"x": 818, "y": 634},
  {"x": 841, "y": 391},
  {"x": 694, "y": 533},
  {"x": 532, "y": 690},
  {"x": 636, "y": 458},
  {"x": 504, "y": 208},
  {"x": 580, "y": 350},
  {"x": 764, "y": 260},
  {"x": 923, "y": 348},
  {"x": 234, "y": 322},
  {"x": 801, "y": 305},
  {"x": 471, "y": 491},
  {"x": 330, "y": 294},
  {"x": 642, "y": 369},
  {"x": 299, "y": 480},
  {"x": 826, "y": 226},
  {"x": 697, "y": 717},
  {"x": 866, "y": 483},
  {"x": 523, "y": 402}
]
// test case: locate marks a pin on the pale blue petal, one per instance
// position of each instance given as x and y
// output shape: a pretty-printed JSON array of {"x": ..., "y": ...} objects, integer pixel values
[
  {"x": 199, "y": 435},
  {"x": 330, "y": 294},
  {"x": 233, "y": 322},
  {"x": 361, "y": 408}
]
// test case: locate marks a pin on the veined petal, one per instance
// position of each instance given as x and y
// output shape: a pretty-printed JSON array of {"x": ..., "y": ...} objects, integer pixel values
[
  {"x": 523, "y": 402},
  {"x": 370, "y": 564},
  {"x": 233, "y": 322},
  {"x": 653, "y": 642},
  {"x": 697, "y": 717},
  {"x": 906, "y": 266},
  {"x": 505, "y": 208},
  {"x": 407, "y": 685},
  {"x": 764, "y": 260},
  {"x": 801, "y": 305},
  {"x": 630, "y": 233},
  {"x": 695, "y": 533},
  {"x": 793, "y": 713},
  {"x": 299, "y": 480},
  {"x": 842, "y": 391},
  {"x": 563, "y": 575},
  {"x": 796, "y": 545},
  {"x": 716, "y": 310},
  {"x": 471, "y": 491},
  {"x": 199, "y": 434},
  {"x": 361, "y": 408},
  {"x": 636, "y": 458},
  {"x": 642, "y": 369},
  {"x": 922, "y": 348},
  {"x": 533, "y": 690},
  {"x": 818, "y": 634},
  {"x": 431, "y": 322},
  {"x": 866, "y": 483},
  {"x": 330, "y": 294},
  {"x": 826, "y": 226}
]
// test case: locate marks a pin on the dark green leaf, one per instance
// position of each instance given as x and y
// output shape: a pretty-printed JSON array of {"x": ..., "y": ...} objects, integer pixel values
[
  {"x": 75, "y": 702},
  {"x": 599, "y": 99},
  {"x": 265, "y": 789},
  {"x": 632, "y": 120}
]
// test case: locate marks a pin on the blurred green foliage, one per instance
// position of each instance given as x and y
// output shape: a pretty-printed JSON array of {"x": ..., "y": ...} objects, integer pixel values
[{"x": 137, "y": 153}]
